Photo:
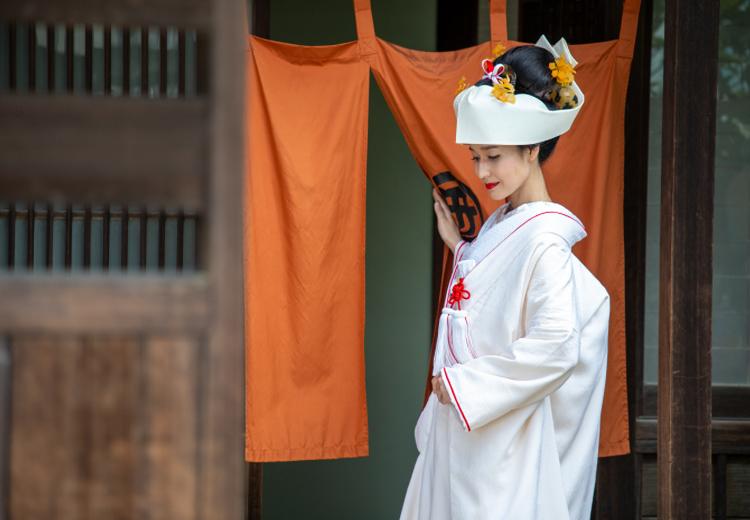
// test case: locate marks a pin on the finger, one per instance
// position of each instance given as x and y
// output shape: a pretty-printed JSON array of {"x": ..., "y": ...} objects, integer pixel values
[
  {"x": 445, "y": 208},
  {"x": 438, "y": 198},
  {"x": 441, "y": 210},
  {"x": 443, "y": 204}
]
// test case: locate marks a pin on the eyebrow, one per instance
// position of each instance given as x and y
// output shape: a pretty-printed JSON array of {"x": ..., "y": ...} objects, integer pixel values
[{"x": 487, "y": 147}]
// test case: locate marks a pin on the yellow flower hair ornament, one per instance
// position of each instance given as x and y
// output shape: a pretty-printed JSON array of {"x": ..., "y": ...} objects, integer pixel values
[
  {"x": 563, "y": 95},
  {"x": 503, "y": 80},
  {"x": 562, "y": 71}
]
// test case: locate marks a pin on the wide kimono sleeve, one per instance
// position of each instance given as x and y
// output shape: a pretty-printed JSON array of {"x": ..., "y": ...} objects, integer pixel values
[{"x": 536, "y": 364}]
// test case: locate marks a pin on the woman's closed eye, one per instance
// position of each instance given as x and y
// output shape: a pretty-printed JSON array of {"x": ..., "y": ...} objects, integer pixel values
[{"x": 491, "y": 157}]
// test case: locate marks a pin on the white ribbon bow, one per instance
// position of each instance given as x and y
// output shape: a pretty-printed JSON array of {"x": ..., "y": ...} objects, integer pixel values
[{"x": 495, "y": 72}]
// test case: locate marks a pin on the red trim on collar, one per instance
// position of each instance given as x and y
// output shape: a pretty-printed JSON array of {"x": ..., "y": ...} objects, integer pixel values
[{"x": 517, "y": 228}]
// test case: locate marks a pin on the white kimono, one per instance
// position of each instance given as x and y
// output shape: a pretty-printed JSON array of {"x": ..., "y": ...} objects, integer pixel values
[{"x": 522, "y": 351}]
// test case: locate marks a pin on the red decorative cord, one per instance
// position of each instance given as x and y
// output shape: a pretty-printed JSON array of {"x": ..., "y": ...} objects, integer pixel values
[{"x": 458, "y": 293}]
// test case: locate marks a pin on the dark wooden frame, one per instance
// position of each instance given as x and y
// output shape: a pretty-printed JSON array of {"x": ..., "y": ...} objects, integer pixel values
[
  {"x": 215, "y": 316},
  {"x": 688, "y": 143},
  {"x": 223, "y": 487},
  {"x": 184, "y": 13}
]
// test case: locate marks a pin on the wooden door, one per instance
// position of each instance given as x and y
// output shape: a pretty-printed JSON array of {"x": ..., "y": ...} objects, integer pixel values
[{"x": 121, "y": 349}]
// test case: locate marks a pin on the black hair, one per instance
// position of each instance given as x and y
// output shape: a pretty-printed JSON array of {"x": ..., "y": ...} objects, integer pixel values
[{"x": 530, "y": 64}]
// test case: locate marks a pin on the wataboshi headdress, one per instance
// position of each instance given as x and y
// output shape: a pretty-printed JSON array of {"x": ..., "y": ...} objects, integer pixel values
[{"x": 497, "y": 115}]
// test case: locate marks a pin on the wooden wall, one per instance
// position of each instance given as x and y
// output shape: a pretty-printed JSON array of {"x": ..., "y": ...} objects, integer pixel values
[{"x": 121, "y": 353}]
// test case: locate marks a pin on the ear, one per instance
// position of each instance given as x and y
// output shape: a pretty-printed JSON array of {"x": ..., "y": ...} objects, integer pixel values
[{"x": 534, "y": 152}]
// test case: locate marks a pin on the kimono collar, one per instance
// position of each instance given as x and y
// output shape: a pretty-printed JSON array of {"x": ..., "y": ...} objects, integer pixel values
[{"x": 500, "y": 225}]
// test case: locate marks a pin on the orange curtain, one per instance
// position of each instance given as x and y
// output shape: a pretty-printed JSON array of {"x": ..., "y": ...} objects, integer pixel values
[
  {"x": 585, "y": 173},
  {"x": 305, "y": 251},
  {"x": 305, "y": 216}
]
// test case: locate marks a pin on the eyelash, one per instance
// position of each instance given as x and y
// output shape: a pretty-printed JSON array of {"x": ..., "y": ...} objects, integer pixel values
[{"x": 493, "y": 157}]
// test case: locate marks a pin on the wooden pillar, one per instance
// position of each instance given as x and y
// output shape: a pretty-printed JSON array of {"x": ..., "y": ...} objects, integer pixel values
[{"x": 688, "y": 142}]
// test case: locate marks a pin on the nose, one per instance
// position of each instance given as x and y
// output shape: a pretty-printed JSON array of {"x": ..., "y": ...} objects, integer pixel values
[{"x": 482, "y": 170}]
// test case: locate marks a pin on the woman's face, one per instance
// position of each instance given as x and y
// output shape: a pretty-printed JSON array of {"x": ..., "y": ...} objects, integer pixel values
[{"x": 502, "y": 168}]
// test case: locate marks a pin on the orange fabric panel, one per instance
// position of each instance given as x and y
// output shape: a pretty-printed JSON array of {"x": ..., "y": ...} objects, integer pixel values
[
  {"x": 585, "y": 173},
  {"x": 304, "y": 228}
]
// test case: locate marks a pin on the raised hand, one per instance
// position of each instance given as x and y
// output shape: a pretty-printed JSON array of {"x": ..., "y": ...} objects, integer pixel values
[{"x": 446, "y": 226}]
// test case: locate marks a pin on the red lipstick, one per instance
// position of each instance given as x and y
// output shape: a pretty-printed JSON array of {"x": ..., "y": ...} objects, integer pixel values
[{"x": 490, "y": 185}]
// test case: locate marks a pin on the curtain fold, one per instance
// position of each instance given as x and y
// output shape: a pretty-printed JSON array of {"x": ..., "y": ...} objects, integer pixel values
[{"x": 305, "y": 251}]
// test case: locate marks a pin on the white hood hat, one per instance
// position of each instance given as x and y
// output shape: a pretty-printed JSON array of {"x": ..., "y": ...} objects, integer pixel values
[{"x": 481, "y": 118}]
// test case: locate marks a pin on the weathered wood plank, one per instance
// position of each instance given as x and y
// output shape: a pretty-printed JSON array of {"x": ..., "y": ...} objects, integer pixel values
[
  {"x": 124, "y": 418},
  {"x": 103, "y": 149},
  {"x": 738, "y": 486},
  {"x": 171, "y": 384},
  {"x": 223, "y": 474},
  {"x": 103, "y": 303},
  {"x": 179, "y": 13},
  {"x": 649, "y": 488},
  {"x": 688, "y": 142},
  {"x": 6, "y": 367},
  {"x": 75, "y": 407},
  {"x": 726, "y": 401},
  {"x": 728, "y": 436}
]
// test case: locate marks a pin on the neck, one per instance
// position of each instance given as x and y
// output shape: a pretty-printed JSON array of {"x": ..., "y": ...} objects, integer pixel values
[{"x": 533, "y": 189}]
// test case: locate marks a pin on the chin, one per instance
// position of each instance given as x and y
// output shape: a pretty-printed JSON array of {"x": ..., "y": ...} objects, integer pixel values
[{"x": 498, "y": 195}]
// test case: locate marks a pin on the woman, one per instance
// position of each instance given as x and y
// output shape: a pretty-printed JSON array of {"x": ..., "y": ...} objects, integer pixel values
[{"x": 511, "y": 428}]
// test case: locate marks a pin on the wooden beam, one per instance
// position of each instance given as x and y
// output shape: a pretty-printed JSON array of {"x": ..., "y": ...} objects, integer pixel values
[
  {"x": 184, "y": 14},
  {"x": 727, "y": 401},
  {"x": 223, "y": 478},
  {"x": 92, "y": 303},
  {"x": 728, "y": 436},
  {"x": 103, "y": 149},
  {"x": 687, "y": 192},
  {"x": 6, "y": 371}
]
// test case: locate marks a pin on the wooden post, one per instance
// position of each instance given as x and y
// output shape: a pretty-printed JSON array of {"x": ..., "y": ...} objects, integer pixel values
[
  {"x": 223, "y": 485},
  {"x": 688, "y": 142}
]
